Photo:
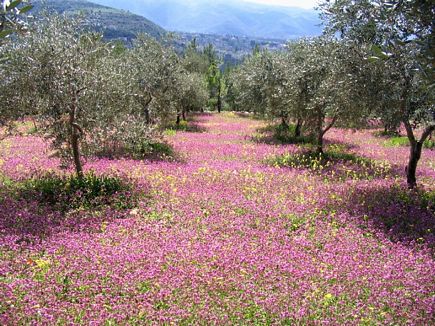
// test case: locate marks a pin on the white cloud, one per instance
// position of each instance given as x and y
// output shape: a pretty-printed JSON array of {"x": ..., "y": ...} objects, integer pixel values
[{"x": 308, "y": 4}]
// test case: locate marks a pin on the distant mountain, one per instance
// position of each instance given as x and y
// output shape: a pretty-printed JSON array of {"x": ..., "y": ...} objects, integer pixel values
[
  {"x": 113, "y": 23},
  {"x": 232, "y": 17}
]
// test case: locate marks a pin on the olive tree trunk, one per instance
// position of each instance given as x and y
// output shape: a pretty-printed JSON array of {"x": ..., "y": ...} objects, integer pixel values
[
  {"x": 75, "y": 131},
  {"x": 219, "y": 103},
  {"x": 415, "y": 152},
  {"x": 298, "y": 129},
  {"x": 321, "y": 132}
]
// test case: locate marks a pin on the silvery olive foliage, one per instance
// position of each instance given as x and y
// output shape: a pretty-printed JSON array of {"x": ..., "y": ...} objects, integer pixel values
[
  {"x": 400, "y": 36},
  {"x": 314, "y": 81},
  {"x": 13, "y": 17},
  {"x": 55, "y": 67},
  {"x": 91, "y": 97}
]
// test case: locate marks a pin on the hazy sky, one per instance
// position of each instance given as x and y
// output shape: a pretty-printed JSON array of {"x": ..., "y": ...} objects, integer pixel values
[{"x": 290, "y": 3}]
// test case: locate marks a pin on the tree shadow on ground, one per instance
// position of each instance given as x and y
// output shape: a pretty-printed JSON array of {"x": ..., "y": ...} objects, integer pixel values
[
  {"x": 24, "y": 222},
  {"x": 192, "y": 124},
  {"x": 405, "y": 216},
  {"x": 271, "y": 135},
  {"x": 249, "y": 115},
  {"x": 158, "y": 151},
  {"x": 335, "y": 165},
  {"x": 33, "y": 209}
]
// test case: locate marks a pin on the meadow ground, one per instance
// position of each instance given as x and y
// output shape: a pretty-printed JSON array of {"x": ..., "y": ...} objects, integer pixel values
[{"x": 232, "y": 232}]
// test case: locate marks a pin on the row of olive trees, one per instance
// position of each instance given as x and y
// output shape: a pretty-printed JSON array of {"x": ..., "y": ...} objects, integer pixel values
[
  {"x": 322, "y": 82},
  {"x": 401, "y": 36},
  {"x": 90, "y": 96},
  {"x": 314, "y": 83}
]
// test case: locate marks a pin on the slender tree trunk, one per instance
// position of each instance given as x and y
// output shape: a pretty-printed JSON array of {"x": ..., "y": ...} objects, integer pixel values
[
  {"x": 35, "y": 126},
  {"x": 178, "y": 119},
  {"x": 298, "y": 129},
  {"x": 415, "y": 152},
  {"x": 219, "y": 103},
  {"x": 146, "y": 109},
  {"x": 183, "y": 115},
  {"x": 320, "y": 134},
  {"x": 147, "y": 116},
  {"x": 75, "y": 135},
  {"x": 284, "y": 123}
]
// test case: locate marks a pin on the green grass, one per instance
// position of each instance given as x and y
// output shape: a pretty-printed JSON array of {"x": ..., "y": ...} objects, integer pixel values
[
  {"x": 283, "y": 134},
  {"x": 72, "y": 192},
  {"x": 286, "y": 135},
  {"x": 186, "y": 126},
  {"x": 150, "y": 149},
  {"x": 314, "y": 161},
  {"x": 399, "y": 141}
]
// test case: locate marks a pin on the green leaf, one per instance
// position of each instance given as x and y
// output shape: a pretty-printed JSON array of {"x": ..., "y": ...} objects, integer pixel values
[
  {"x": 5, "y": 33},
  {"x": 378, "y": 52},
  {"x": 26, "y": 9},
  {"x": 373, "y": 59},
  {"x": 3, "y": 59},
  {"x": 13, "y": 4}
]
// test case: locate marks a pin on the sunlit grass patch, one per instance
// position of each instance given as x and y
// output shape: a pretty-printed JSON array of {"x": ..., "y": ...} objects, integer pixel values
[
  {"x": 334, "y": 164},
  {"x": 186, "y": 126},
  {"x": 399, "y": 141}
]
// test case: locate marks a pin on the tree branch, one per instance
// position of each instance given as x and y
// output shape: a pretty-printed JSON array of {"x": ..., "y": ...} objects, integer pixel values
[
  {"x": 330, "y": 125},
  {"x": 409, "y": 132},
  {"x": 75, "y": 125},
  {"x": 426, "y": 133},
  {"x": 80, "y": 90}
]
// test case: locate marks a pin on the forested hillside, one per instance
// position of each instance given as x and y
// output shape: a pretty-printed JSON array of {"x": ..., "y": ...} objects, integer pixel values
[
  {"x": 114, "y": 23},
  {"x": 232, "y": 17}
]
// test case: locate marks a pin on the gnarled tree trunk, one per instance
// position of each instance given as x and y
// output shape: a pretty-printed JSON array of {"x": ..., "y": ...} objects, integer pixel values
[
  {"x": 415, "y": 152},
  {"x": 321, "y": 132}
]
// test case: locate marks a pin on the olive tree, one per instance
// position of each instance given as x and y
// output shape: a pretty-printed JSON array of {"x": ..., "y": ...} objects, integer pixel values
[
  {"x": 152, "y": 74},
  {"x": 321, "y": 83},
  {"x": 191, "y": 94},
  {"x": 401, "y": 37},
  {"x": 54, "y": 70},
  {"x": 248, "y": 84}
]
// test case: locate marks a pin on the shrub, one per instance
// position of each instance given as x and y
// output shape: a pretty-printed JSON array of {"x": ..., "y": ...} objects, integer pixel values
[
  {"x": 72, "y": 192},
  {"x": 333, "y": 164},
  {"x": 286, "y": 135},
  {"x": 151, "y": 149}
]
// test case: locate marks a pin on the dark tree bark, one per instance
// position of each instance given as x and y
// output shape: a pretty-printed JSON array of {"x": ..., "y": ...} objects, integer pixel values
[
  {"x": 75, "y": 131},
  {"x": 183, "y": 115},
  {"x": 178, "y": 119},
  {"x": 298, "y": 129},
  {"x": 415, "y": 152},
  {"x": 146, "y": 110},
  {"x": 321, "y": 132},
  {"x": 219, "y": 103}
]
